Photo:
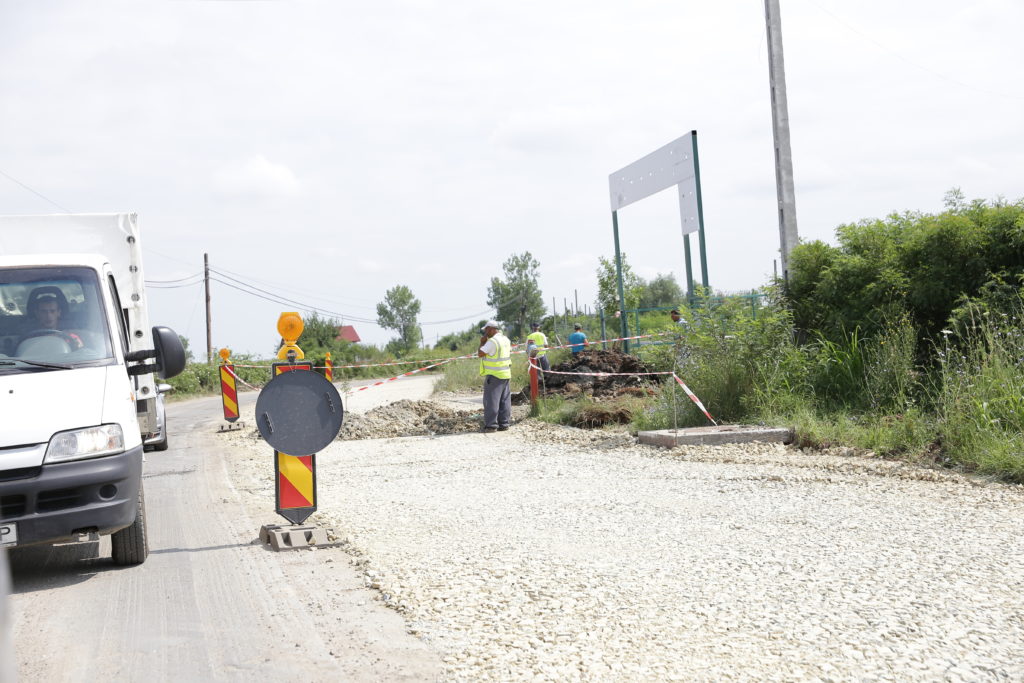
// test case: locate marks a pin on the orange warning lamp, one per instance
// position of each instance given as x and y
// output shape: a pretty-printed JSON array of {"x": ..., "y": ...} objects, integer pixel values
[
  {"x": 289, "y": 326},
  {"x": 224, "y": 353}
]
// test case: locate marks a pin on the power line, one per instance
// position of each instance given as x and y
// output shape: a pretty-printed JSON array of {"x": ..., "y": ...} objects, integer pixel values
[
  {"x": 168, "y": 282},
  {"x": 914, "y": 64},
  {"x": 187, "y": 284},
  {"x": 38, "y": 194},
  {"x": 290, "y": 301},
  {"x": 309, "y": 307},
  {"x": 225, "y": 272}
]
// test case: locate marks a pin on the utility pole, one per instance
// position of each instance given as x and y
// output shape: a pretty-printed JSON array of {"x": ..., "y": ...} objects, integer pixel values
[
  {"x": 209, "y": 334},
  {"x": 780, "y": 128}
]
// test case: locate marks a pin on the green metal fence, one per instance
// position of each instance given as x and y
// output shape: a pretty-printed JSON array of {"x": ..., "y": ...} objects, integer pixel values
[{"x": 598, "y": 326}]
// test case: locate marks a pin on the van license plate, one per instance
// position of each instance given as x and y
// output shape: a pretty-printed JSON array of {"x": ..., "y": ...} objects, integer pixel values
[{"x": 8, "y": 535}]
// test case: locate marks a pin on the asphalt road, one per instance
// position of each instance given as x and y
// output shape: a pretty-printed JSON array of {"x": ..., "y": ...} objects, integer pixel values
[{"x": 210, "y": 603}]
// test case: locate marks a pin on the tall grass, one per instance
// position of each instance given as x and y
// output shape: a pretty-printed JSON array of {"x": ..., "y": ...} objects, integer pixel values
[
  {"x": 464, "y": 375},
  {"x": 981, "y": 396}
]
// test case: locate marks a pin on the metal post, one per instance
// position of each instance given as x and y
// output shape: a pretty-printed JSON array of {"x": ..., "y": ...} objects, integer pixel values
[
  {"x": 622, "y": 292},
  {"x": 700, "y": 215},
  {"x": 784, "y": 185},
  {"x": 689, "y": 267}
]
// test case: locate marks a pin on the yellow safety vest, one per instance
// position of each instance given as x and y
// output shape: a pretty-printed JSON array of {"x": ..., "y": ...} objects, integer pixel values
[
  {"x": 540, "y": 340},
  {"x": 499, "y": 363}
]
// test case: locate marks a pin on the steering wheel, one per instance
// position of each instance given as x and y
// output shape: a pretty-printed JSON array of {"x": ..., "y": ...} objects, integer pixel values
[{"x": 73, "y": 341}]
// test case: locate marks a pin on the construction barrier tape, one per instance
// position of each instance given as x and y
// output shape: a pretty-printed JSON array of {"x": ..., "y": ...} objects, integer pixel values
[
  {"x": 441, "y": 361},
  {"x": 231, "y": 370},
  {"x": 392, "y": 379},
  {"x": 693, "y": 397}
]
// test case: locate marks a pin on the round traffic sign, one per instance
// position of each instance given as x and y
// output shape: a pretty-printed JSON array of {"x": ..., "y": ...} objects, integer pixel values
[{"x": 299, "y": 412}]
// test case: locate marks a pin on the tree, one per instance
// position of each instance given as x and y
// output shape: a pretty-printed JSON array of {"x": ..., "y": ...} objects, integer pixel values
[
  {"x": 517, "y": 299},
  {"x": 453, "y": 340},
  {"x": 188, "y": 352},
  {"x": 608, "y": 286},
  {"x": 319, "y": 333},
  {"x": 398, "y": 312},
  {"x": 663, "y": 290}
]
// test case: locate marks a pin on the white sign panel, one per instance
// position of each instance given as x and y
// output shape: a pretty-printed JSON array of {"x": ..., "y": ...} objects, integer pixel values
[{"x": 670, "y": 165}]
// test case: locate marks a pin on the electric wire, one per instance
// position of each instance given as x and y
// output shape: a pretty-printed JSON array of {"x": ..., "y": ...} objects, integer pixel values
[
  {"x": 912, "y": 63},
  {"x": 309, "y": 307},
  {"x": 187, "y": 284},
  {"x": 38, "y": 194},
  {"x": 180, "y": 279},
  {"x": 248, "y": 280},
  {"x": 286, "y": 288}
]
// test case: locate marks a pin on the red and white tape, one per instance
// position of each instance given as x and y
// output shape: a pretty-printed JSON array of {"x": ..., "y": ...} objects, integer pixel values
[
  {"x": 516, "y": 349},
  {"x": 233, "y": 374},
  {"x": 392, "y": 379},
  {"x": 693, "y": 397}
]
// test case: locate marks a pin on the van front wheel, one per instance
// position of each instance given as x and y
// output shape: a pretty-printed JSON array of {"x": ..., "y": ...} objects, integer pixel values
[{"x": 131, "y": 545}]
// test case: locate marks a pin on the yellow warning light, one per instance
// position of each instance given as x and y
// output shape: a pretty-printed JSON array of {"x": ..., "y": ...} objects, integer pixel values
[
  {"x": 224, "y": 353},
  {"x": 289, "y": 326}
]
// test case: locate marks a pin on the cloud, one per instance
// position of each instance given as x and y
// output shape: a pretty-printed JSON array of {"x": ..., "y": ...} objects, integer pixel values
[
  {"x": 256, "y": 176},
  {"x": 367, "y": 265},
  {"x": 553, "y": 130}
]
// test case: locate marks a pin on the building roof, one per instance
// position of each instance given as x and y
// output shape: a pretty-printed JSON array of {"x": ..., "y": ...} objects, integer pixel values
[{"x": 348, "y": 333}]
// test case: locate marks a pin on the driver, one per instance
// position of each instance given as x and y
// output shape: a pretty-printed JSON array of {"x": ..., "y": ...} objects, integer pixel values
[{"x": 46, "y": 311}]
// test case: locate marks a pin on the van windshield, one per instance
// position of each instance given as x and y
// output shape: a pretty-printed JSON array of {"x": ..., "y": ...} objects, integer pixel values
[{"x": 52, "y": 315}]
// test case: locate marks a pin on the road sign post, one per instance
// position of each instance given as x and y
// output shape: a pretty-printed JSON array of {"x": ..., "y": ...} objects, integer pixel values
[
  {"x": 228, "y": 387},
  {"x": 298, "y": 414}
]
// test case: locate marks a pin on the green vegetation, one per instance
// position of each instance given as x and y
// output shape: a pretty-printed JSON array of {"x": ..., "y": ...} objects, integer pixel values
[{"x": 904, "y": 339}]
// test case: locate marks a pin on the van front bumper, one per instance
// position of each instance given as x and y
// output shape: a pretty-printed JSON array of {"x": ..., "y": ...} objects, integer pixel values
[{"x": 58, "y": 502}]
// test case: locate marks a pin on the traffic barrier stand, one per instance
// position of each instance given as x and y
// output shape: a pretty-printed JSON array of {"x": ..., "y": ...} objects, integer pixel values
[
  {"x": 298, "y": 412},
  {"x": 228, "y": 391},
  {"x": 294, "y": 475},
  {"x": 329, "y": 368},
  {"x": 293, "y": 536}
]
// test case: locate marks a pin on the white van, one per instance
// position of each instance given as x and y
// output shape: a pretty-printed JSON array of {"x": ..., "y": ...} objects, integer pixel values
[{"x": 78, "y": 397}]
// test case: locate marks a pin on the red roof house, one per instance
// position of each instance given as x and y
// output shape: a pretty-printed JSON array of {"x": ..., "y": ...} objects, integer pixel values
[{"x": 348, "y": 333}]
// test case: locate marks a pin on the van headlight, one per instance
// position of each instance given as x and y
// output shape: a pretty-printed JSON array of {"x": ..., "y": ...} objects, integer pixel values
[{"x": 91, "y": 442}]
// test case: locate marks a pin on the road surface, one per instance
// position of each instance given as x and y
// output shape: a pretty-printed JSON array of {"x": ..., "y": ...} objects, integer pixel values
[{"x": 210, "y": 603}]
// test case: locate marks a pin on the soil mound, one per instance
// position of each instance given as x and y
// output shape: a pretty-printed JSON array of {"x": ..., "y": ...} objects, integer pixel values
[{"x": 590, "y": 361}]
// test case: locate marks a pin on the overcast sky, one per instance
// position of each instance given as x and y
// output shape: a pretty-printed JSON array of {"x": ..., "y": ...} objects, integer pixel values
[{"x": 327, "y": 151}]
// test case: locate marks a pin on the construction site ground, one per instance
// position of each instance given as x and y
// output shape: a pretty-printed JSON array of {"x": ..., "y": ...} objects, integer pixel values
[{"x": 539, "y": 553}]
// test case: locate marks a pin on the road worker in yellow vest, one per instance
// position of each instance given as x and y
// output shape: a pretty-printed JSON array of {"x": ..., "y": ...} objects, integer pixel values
[
  {"x": 539, "y": 340},
  {"x": 496, "y": 368}
]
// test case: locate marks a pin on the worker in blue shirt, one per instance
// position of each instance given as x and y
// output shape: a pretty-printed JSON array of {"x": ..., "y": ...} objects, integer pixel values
[{"x": 577, "y": 339}]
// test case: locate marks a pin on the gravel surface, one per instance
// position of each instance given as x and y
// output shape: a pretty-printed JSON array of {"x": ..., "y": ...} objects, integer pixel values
[{"x": 550, "y": 553}]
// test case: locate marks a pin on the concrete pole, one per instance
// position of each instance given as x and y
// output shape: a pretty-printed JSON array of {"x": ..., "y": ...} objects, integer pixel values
[
  {"x": 780, "y": 127},
  {"x": 209, "y": 333}
]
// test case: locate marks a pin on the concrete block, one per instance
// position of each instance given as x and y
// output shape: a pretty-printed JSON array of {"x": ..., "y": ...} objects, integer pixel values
[
  {"x": 715, "y": 435},
  {"x": 291, "y": 536}
]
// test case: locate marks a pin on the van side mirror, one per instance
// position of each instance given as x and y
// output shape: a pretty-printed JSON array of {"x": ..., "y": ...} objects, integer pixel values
[{"x": 170, "y": 354}]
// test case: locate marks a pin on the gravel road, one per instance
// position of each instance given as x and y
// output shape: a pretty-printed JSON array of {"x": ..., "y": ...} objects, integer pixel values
[{"x": 548, "y": 553}]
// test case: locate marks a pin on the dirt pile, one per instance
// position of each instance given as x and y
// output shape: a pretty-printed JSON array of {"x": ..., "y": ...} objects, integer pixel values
[
  {"x": 622, "y": 383},
  {"x": 414, "y": 418}
]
